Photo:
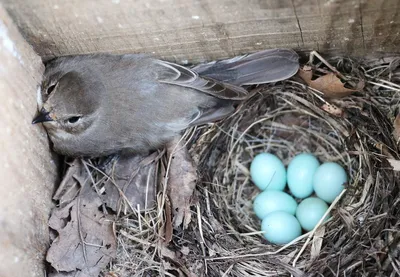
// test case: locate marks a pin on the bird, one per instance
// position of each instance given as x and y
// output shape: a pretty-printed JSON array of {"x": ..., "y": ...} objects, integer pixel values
[{"x": 96, "y": 105}]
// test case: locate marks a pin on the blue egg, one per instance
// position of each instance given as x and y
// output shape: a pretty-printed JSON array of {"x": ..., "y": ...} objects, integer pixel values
[
  {"x": 310, "y": 211},
  {"x": 280, "y": 227},
  {"x": 329, "y": 180},
  {"x": 300, "y": 174},
  {"x": 268, "y": 172},
  {"x": 270, "y": 201}
]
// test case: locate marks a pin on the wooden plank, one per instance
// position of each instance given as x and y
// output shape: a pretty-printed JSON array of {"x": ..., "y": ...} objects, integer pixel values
[
  {"x": 197, "y": 30},
  {"x": 28, "y": 170}
]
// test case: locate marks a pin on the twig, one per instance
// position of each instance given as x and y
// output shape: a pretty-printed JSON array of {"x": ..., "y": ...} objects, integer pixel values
[
  {"x": 310, "y": 234},
  {"x": 315, "y": 53},
  {"x": 202, "y": 242}
]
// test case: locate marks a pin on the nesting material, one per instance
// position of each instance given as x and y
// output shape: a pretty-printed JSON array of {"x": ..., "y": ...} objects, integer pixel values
[
  {"x": 223, "y": 238},
  {"x": 360, "y": 239}
]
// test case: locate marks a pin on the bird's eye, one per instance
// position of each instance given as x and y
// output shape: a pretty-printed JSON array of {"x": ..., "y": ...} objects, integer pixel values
[
  {"x": 50, "y": 89},
  {"x": 73, "y": 119}
]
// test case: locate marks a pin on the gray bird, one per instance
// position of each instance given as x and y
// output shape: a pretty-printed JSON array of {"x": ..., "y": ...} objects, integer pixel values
[{"x": 97, "y": 105}]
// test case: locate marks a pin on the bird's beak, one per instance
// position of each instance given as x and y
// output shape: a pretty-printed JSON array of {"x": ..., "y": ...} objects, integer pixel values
[{"x": 42, "y": 116}]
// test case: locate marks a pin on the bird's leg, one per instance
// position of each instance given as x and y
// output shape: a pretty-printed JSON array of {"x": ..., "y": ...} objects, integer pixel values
[{"x": 182, "y": 177}]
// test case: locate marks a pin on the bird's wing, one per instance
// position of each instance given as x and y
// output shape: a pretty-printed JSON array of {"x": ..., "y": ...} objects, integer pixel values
[
  {"x": 174, "y": 74},
  {"x": 262, "y": 67}
]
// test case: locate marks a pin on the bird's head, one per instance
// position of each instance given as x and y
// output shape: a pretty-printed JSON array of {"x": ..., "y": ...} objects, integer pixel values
[{"x": 68, "y": 104}]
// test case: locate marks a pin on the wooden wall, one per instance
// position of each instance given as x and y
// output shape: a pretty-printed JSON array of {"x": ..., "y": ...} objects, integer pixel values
[
  {"x": 198, "y": 30},
  {"x": 178, "y": 30},
  {"x": 27, "y": 169}
]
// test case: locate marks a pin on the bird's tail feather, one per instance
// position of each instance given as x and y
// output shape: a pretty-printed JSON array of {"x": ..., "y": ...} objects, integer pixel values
[{"x": 258, "y": 68}]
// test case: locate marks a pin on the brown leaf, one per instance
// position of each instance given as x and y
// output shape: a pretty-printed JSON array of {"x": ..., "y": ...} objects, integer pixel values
[
  {"x": 175, "y": 260},
  {"x": 79, "y": 221},
  {"x": 317, "y": 241},
  {"x": 133, "y": 178},
  {"x": 384, "y": 149},
  {"x": 306, "y": 73},
  {"x": 86, "y": 241},
  {"x": 69, "y": 186},
  {"x": 181, "y": 183},
  {"x": 287, "y": 121},
  {"x": 332, "y": 109},
  {"x": 330, "y": 85},
  {"x": 168, "y": 221},
  {"x": 396, "y": 131}
]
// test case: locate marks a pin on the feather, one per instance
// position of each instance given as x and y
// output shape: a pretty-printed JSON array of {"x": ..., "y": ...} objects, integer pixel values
[
  {"x": 181, "y": 76},
  {"x": 258, "y": 68}
]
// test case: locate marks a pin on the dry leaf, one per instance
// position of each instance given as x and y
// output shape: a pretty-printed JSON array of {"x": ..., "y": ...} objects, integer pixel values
[
  {"x": 79, "y": 217},
  {"x": 174, "y": 262},
  {"x": 86, "y": 242},
  {"x": 330, "y": 85},
  {"x": 288, "y": 257},
  {"x": 317, "y": 242},
  {"x": 287, "y": 121},
  {"x": 383, "y": 148},
  {"x": 332, "y": 109},
  {"x": 69, "y": 186},
  {"x": 168, "y": 221},
  {"x": 396, "y": 131},
  {"x": 181, "y": 183},
  {"x": 165, "y": 252},
  {"x": 395, "y": 164},
  {"x": 185, "y": 250},
  {"x": 135, "y": 178}
]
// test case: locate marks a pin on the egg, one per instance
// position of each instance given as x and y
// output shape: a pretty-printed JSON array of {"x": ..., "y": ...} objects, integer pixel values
[
  {"x": 310, "y": 211},
  {"x": 329, "y": 180},
  {"x": 300, "y": 174},
  {"x": 273, "y": 200},
  {"x": 268, "y": 172},
  {"x": 280, "y": 227}
]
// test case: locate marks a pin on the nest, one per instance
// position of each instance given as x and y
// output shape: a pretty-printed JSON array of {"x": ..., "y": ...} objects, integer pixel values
[{"x": 223, "y": 238}]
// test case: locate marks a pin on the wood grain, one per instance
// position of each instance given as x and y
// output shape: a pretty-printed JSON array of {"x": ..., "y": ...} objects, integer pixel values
[
  {"x": 27, "y": 169},
  {"x": 196, "y": 30}
]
